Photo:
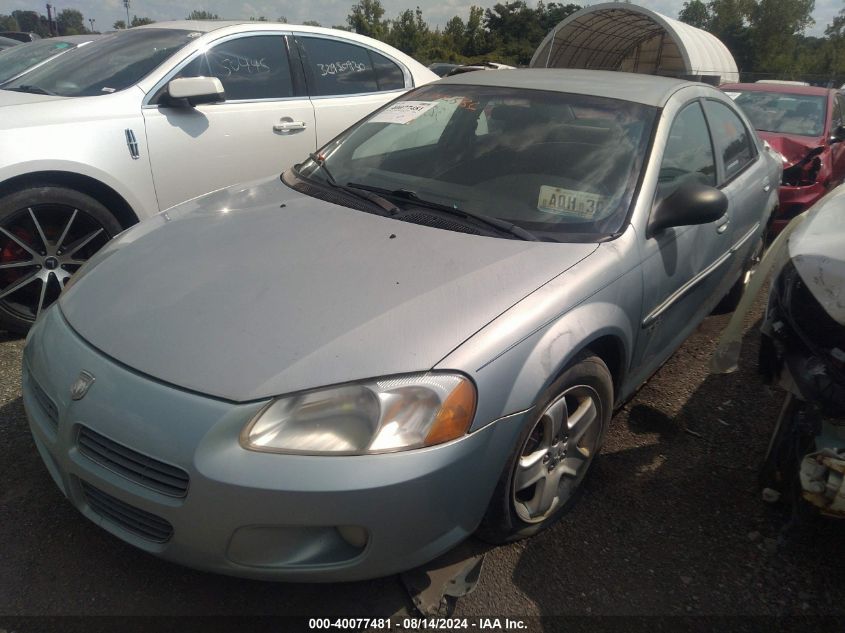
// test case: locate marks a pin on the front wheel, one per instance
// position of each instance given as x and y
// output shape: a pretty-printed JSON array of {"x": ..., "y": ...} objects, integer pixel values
[
  {"x": 46, "y": 234},
  {"x": 553, "y": 454}
]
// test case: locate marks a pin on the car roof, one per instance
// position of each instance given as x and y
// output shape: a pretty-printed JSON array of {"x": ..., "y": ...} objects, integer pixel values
[
  {"x": 639, "y": 88},
  {"x": 780, "y": 88},
  {"x": 202, "y": 26}
]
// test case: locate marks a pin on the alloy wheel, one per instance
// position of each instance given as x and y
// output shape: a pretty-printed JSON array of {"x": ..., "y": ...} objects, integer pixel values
[
  {"x": 557, "y": 454},
  {"x": 40, "y": 248}
]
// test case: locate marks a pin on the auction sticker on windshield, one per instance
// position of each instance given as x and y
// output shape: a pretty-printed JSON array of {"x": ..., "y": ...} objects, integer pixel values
[
  {"x": 566, "y": 202},
  {"x": 403, "y": 112}
]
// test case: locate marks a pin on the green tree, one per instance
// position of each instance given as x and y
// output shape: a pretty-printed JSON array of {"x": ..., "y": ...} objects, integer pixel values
[
  {"x": 775, "y": 27},
  {"x": 202, "y": 15},
  {"x": 454, "y": 35},
  {"x": 31, "y": 22},
  {"x": 71, "y": 22},
  {"x": 552, "y": 14},
  {"x": 409, "y": 33},
  {"x": 365, "y": 19},
  {"x": 695, "y": 13},
  {"x": 8, "y": 23},
  {"x": 311, "y": 23},
  {"x": 476, "y": 40},
  {"x": 119, "y": 25},
  {"x": 136, "y": 21}
]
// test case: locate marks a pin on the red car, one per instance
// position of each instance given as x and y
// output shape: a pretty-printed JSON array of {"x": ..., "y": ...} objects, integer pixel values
[{"x": 806, "y": 125}]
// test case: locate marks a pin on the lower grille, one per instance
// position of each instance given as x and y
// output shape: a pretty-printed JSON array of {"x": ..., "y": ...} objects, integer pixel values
[
  {"x": 139, "y": 522},
  {"x": 135, "y": 466}
]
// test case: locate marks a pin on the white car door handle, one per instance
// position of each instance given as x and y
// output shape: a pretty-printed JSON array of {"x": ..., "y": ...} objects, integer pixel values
[
  {"x": 767, "y": 187},
  {"x": 724, "y": 227},
  {"x": 288, "y": 125}
]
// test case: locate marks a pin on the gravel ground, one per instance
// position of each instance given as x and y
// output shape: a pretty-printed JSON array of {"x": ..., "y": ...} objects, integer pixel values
[{"x": 670, "y": 523}]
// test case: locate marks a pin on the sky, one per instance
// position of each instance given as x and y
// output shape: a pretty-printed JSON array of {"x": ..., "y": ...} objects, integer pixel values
[{"x": 326, "y": 12}]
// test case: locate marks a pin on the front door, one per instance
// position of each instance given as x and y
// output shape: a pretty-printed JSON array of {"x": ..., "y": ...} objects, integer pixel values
[
  {"x": 261, "y": 128},
  {"x": 680, "y": 264}
]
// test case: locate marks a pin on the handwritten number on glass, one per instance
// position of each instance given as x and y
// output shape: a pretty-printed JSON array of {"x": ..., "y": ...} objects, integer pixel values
[
  {"x": 237, "y": 65},
  {"x": 341, "y": 68}
]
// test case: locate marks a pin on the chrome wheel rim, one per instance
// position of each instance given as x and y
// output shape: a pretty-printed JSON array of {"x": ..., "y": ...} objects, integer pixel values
[
  {"x": 40, "y": 248},
  {"x": 557, "y": 453}
]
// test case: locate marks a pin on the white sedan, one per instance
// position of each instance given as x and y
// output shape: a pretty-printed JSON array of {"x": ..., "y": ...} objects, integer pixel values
[{"x": 143, "y": 119}]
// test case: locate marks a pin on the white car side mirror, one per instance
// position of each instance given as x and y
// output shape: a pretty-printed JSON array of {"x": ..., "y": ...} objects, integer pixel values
[{"x": 197, "y": 90}]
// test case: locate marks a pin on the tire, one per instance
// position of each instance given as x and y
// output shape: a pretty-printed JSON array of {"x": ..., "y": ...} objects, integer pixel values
[
  {"x": 520, "y": 508},
  {"x": 46, "y": 233},
  {"x": 730, "y": 301}
]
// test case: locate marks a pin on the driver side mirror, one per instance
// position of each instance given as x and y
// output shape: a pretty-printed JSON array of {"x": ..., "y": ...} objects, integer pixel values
[
  {"x": 193, "y": 91},
  {"x": 691, "y": 203},
  {"x": 838, "y": 134}
]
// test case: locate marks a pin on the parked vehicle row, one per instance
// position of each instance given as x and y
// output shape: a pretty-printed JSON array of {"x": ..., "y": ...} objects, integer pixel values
[{"x": 416, "y": 334}]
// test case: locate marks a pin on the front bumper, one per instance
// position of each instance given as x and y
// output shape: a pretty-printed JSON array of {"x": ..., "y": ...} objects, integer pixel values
[
  {"x": 244, "y": 513},
  {"x": 793, "y": 201}
]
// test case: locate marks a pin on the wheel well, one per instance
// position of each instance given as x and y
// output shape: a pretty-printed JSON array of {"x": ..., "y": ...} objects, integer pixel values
[
  {"x": 104, "y": 194},
  {"x": 612, "y": 351}
]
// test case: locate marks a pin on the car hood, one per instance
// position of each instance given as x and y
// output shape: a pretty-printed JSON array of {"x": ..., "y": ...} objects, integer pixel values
[
  {"x": 792, "y": 148},
  {"x": 256, "y": 291},
  {"x": 13, "y": 98},
  {"x": 815, "y": 249}
]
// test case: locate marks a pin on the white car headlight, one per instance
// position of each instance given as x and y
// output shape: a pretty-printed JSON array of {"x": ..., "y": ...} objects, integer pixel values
[{"x": 378, "y": 416}]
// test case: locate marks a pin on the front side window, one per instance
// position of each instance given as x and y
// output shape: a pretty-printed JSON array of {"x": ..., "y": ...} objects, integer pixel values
[
  {"x": 783, "y": 113},
  {"x": 688, "y": 157},
  {"x": 337, "y": 68},
  {"x": 731, "y": 136},
  {"x": 254, "y": 67},
  {"x": 105, "y": 66},
  {"x": 562, "y": 166}
]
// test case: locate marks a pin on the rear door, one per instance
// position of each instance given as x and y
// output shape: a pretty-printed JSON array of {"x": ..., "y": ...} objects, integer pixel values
[
  {"x": 347, "y": 81},
  {"x": 265, "y": 124},
  {"x": 744, "y": 179}
]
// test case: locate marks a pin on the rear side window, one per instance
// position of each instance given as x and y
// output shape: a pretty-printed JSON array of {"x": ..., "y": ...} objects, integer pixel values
[
  {"x": 338, "y": 68},
  {"x": 733, "y": 141},
  {"x": 254, "y": 67},
  {"x": 688, "y": 157},
  {"x": 388, "y": 74}
]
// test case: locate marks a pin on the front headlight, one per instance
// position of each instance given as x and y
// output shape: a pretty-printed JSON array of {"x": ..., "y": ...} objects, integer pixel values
[{"x": 378, "y": 416}]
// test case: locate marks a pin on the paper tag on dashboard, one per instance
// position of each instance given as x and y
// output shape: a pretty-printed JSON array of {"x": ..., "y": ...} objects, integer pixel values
[{"x": 403, "y": 112}]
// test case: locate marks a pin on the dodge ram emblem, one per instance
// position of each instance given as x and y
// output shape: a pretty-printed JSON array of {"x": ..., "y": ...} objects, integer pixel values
[{"x": 81, "y": 386}]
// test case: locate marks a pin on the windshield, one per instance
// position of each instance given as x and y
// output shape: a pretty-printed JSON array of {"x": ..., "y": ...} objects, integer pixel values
[
  {"x": 783, "y": 113},
  {"x": 17, "y": 59},
  {"x": 562, "y": 166},
  {"x": 110, "y": 64}
]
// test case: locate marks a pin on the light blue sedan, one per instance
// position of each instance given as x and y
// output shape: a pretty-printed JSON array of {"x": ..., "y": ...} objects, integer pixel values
[{"x": 417, "y": 334}]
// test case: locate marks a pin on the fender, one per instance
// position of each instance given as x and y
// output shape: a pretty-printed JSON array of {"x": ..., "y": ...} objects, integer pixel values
[{"x": 551, "y": 326}]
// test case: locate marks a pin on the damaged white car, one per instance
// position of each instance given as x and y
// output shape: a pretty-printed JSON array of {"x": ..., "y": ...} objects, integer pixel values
[{"x": 803, "y": 352}]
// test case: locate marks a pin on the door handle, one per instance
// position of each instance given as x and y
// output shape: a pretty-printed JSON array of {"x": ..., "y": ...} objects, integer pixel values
[
  {"x": 724, "y": 227},
  {"x": 289, "y": 125},
  {"x": 767, "y": 187}
]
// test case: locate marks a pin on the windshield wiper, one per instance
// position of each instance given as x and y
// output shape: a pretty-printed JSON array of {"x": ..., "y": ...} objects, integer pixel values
[
  {"x": 34, "y": 90},
  {"x": 496, "y": 223},
  {"x": 386, "y": 205}
]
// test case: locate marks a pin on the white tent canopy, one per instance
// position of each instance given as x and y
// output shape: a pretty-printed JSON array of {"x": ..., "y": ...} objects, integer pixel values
[{"x": 626, "y": 37}]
